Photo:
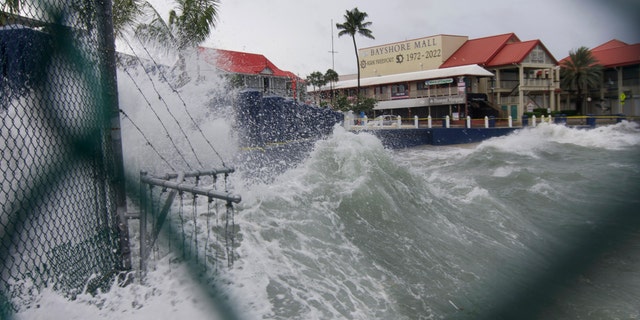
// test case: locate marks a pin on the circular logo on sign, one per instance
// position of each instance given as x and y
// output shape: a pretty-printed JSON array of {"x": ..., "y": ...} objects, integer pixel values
[
  {"x": 399, "y": 58},
  {"x": 363, "y": 64}
]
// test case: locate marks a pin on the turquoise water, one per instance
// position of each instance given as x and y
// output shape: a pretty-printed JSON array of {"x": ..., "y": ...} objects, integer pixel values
[{"x": 540, "y": 224}]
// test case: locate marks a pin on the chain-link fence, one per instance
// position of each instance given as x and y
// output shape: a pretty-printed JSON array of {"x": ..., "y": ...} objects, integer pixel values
[{"x": 61, "y": 186}]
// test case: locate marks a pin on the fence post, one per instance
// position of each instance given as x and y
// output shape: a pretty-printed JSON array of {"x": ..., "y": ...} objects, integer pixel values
[
  {"x": 415, "y": 121},
  {"x": 429, "y": 122},
  {"x": 111, "y": 111},
  {"x": 399, "y": 122},
  {"x": 525, "y": 120},
  {"x": 143, "y": 228},
  {"x": 486, "y": 122},
  {"x": 510, "y": 120},
  {"x": 447, "y": 121},
  {"x": 468, "y": 122},
  {"x": 533, "y": 120}
]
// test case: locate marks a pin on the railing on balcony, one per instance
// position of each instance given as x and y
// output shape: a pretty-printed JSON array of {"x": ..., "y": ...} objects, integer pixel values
[
  {"x": 539, "y": 83},
  {"x": 506, "y": 85}
]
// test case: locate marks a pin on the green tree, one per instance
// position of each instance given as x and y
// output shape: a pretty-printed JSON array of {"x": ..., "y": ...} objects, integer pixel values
[
  {"x": 189, "y": 24},
  {"x": 12, "y": 5},
  {"x": 331, "y": 77},
  {"x": 126, "y": 14},
  {"x": 316, "y": 79},
  {"x": 344, "y": 103},
  {"x": 354, "y": 23},
  {"x": 580, "y": 72}
]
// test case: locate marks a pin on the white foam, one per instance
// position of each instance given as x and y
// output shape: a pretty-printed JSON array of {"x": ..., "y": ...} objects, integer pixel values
[{"x": 531, "y": 140}]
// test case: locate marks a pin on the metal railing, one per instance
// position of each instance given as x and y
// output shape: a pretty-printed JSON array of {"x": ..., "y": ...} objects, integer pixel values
[{"x": 156, "y": 216}]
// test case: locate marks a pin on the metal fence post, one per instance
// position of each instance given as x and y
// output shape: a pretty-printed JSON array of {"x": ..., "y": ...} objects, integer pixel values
[{"x": 111, "y": 112}]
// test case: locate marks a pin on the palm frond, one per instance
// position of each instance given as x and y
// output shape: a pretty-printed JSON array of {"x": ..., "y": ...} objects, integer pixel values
[
  {"x": 156, "y": 32},
  {"x": 126, "y": 14}
]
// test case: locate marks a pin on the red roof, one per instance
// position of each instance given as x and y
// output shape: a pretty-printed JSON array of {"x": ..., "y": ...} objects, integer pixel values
[
  {"x": 516, "y": 53},
  {"x": 615, "y": 53},
  {"x": 242, "y": 62},
  {"x": 479, "y": 51},
  {"x": 610, "y": 45},
  {"x": 617, "y": 56}
]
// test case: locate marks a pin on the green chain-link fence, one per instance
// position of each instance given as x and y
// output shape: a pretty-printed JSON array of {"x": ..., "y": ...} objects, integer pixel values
[{"x": 61, "y": 186}]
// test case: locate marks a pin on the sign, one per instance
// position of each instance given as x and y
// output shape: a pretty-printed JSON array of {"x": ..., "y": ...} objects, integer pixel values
[
  {"x": 457, "y": 99},
  {"x": 407, "y": 56},
  {"x": 438, "y": 81},
  {"x": 530, "y": 106}
]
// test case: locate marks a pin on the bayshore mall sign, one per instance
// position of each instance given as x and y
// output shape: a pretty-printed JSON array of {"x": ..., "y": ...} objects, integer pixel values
[{"x": 408, "y": 56}]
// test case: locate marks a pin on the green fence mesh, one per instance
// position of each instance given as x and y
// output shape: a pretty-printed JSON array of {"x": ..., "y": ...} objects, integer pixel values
[{"x": 60, "y": 170}]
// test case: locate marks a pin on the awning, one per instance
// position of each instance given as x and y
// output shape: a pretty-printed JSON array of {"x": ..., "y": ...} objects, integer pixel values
[{"x": 468, "y": 70}]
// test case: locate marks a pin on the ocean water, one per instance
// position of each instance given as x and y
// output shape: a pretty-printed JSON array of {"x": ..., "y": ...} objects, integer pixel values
[{"x": 541, "y": 224}]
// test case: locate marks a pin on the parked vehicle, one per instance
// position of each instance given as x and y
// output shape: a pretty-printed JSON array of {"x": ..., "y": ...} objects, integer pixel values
[{"x": 383, "y": 120}]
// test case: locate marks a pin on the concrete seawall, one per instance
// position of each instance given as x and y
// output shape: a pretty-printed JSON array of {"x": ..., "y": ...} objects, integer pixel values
[{"x": 406, "y": 138}]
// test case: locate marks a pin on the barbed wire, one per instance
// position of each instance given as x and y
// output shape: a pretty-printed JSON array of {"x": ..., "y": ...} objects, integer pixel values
[
  {"x": 159, "y": 119},
  {"x": 126, "y": 116},
  {"x": 163, "y": 101},
  {"x": 184, "y": 104}
]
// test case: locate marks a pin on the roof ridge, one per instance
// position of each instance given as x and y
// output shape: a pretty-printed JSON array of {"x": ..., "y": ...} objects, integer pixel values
[{"x": 613, "y": 43}]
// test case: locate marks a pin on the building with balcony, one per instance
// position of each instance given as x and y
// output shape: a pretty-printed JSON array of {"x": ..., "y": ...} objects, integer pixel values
[
  {"x": 451, "y": 75},
  {"x": 619, "y": 90},
  {"x": 525, "y": 73},
  {"x": 253, "y": 71}
]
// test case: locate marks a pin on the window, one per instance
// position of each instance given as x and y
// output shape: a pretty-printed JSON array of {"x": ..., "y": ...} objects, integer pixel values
[
  {"x": 381, "y": 90},
  {"x": 400, "y": 90}
]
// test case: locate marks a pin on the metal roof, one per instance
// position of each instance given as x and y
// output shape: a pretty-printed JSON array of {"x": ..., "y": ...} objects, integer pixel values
[
  {"x": 614, "y": 53},
  {"x": 242, "y": 62},
  {"x": 479, "y": 51},
  {"x": 468, "y": 70}
]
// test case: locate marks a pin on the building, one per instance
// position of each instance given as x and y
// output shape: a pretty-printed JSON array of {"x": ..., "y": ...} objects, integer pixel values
[
  {"x": 451, "y": 75},
  {"x": 525, "y": 73},
  {"x": 253, "y": 71},
  {"x": 619, "y": 91}
]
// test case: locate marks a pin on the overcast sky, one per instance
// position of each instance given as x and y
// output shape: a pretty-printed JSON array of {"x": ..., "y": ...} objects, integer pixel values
[{"x": 296, "y": 34}]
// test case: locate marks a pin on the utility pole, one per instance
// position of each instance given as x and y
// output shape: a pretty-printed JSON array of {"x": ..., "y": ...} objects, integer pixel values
[{"x": 333, "y": 64}]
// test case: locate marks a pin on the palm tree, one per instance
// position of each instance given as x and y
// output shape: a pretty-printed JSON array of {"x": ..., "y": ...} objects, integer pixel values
[
  {"x": 581, "y": 72},
  {"x": 188, "y": 26},
  {"x": 12, "y": 5},
  {"x": 354, "y": 23},
  {"x": 194, "y": 22},
  {"x": 125, "y": 14},
  {"x": 331, "y": 77},
  {"x": 316, "y": 79}
]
